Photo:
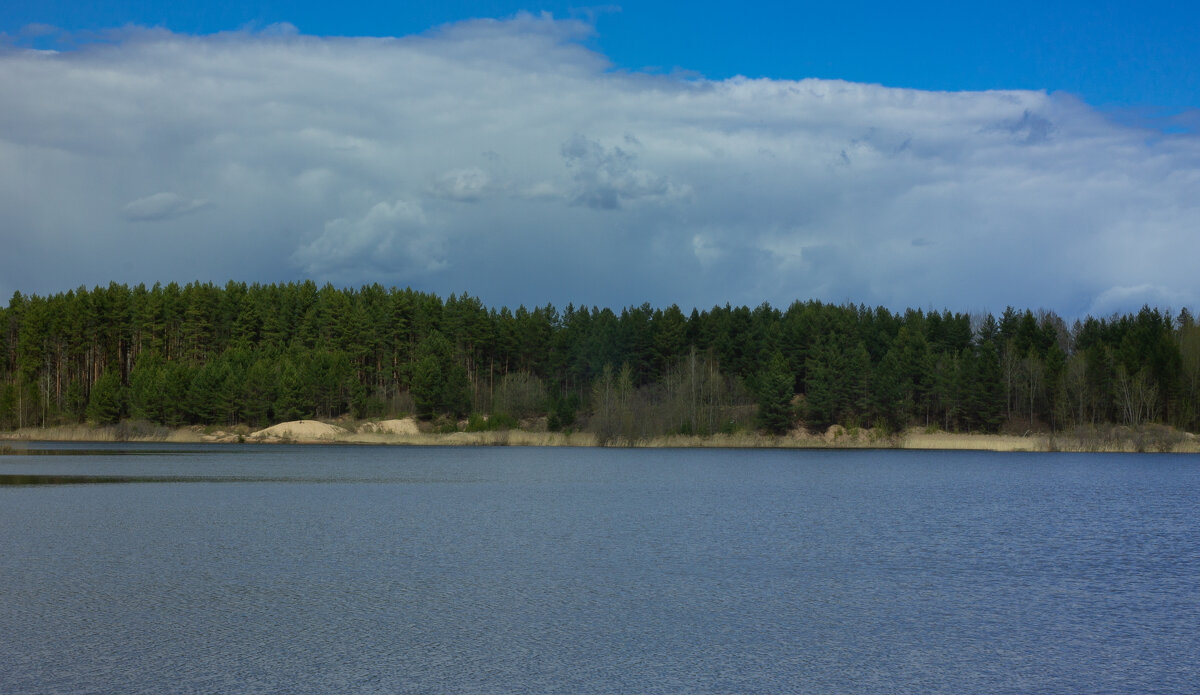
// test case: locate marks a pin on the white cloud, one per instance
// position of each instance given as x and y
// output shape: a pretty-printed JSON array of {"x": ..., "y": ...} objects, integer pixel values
[
  {"x": 161, "y": 206},
  {"x": 507, "y": 159},
  {"x": 466, "y": 185},
  {"x": 1124, "y": 299},
  {"x": 704, "y": 249},
  {"x": 389, "y": 236}
]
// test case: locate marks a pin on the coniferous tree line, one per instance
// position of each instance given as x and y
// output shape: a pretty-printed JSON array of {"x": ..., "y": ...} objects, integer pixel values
[{"x": 257, "y": 354}]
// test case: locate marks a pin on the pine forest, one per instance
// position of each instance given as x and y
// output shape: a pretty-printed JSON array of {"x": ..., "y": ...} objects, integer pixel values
[{"x": 257, "y": 354}]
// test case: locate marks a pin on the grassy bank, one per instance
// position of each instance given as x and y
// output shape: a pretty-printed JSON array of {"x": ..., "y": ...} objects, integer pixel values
[{"x": 1149, "y": 438}]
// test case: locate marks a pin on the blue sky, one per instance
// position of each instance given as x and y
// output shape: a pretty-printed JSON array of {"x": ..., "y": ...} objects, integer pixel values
[{"x": 941, "y": 155}]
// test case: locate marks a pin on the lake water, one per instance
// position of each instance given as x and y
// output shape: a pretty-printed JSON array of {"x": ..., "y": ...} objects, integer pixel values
[{"x": 320, "y": 569}]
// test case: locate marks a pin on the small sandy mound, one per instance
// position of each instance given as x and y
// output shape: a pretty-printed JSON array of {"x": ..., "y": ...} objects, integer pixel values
[
  {"x": 405, "y": 426},
  {"x": 834, "y": 433},
  {"x": 301, "y": 430}
]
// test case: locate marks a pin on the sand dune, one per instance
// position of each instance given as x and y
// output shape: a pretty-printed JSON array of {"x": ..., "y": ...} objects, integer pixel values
[
  {"x": 405, "y": 426},
  {"x": 301, "y": 430}
]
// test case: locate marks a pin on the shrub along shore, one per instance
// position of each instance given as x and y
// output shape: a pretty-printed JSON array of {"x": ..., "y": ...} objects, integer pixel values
[{"x": 409, "y": 432}]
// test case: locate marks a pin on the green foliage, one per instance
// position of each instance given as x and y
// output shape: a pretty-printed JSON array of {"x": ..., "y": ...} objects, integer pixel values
[
  {"x": 445, "y": 425},
  {"x": 838, "y": 381},
  {"x": 521, "y": 395},
  {"x": 260, "y": 390},
  {"x": 498, "y": 421},
  {"x": 439, "y": 382},
  {"x": 75, "y": 402},
  {"x": 177, "y": 381},
  {"x": 327, "y": 382},
  {"x": 563, "y": 410},
  {"x": 107, "y": 401},
  {"x": 290, "y": 400},
  {"x": 210, "y": 393},
  {"x": 147, "y": 388},
  {"x": 892, "y": 401},
  {"x": 477, "y": 423},
  {"x": 8, "y": 406},
  {"x": 367, "y": 405},
  {"x": 612, "y": 404},
  {"x": 775, "y": 412},
  {"x": 984, "y": 389}
]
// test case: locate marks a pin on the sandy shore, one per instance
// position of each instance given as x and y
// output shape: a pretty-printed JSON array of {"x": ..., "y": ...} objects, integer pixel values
[{"x": 407, "y": 431}]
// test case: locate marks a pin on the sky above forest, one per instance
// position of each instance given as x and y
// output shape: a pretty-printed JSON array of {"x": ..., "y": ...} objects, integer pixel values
[{"x": 939, "y": 156}]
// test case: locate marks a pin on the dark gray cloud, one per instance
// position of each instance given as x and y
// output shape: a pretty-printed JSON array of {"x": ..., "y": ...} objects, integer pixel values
[
  {"x": 1030, "y": 128},
  {"x": 506, "y": 159},
  {"x": 605, "y": 177}
]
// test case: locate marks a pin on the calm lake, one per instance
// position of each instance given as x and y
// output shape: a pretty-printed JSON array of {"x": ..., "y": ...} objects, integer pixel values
[{"x": 330, "y": 569}]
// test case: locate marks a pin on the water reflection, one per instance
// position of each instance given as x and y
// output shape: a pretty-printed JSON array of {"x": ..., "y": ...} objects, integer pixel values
[
  {"x": 116, "y": 449},
  {"x": 27, "y": 479}
]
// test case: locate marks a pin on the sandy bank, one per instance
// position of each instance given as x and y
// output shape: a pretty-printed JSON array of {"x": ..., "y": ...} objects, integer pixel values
[
  {"x": 407, "y": 432},
  {"x": 404, "y": 426},
  {"x": 118, "y": 433}
]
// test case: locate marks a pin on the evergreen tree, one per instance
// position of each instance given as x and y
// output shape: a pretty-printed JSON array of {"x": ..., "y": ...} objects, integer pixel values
[
  {"x": 439, "y": 383},
  {"x": 107, "y": 399},
  {"x": 775, "y": 412},
  {"x": 428, "y": 385},
  {"x": 76, "y": 401},
  {"x": 984, "y": 389},
  {"x": 290, "y": 400},
  {"x": 177, "y": 381},
  {"x": 892, "y": 399},
  {"x": 259, "y": 392},
  {"x": 8, "y": 406},
  {"x": 147, "y": 388},
  {"x": 210, "y": 395}
]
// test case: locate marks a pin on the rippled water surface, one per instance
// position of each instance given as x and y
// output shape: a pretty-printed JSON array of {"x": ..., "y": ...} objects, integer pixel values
[{"x": 356, "y": 569}]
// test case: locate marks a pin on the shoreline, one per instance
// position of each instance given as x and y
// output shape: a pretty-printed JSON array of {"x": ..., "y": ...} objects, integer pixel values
[{"x": 406, "y": 433}]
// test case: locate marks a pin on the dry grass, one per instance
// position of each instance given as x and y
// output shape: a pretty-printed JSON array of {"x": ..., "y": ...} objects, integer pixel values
[
  {"x": 64, "y": 433},
  {"x": 1112, "y": 438},
  {"x": 981, "y": 442},
  {"x": 124, "y": 432},
  {"x": 1107, "y": 439}
]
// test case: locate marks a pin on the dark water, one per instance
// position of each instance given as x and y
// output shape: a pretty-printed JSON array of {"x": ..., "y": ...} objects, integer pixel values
[{"x": 493, "y": 570}]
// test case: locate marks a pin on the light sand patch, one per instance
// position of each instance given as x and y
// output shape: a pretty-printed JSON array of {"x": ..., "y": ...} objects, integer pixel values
[
  {"x": 406, "y": 426},
  {"x": 301, "y": 430},
  {"x": 494, "y": 438}
]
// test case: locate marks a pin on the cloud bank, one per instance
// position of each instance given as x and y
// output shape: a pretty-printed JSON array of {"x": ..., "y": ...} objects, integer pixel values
[{"x": 505, "y": 159}]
